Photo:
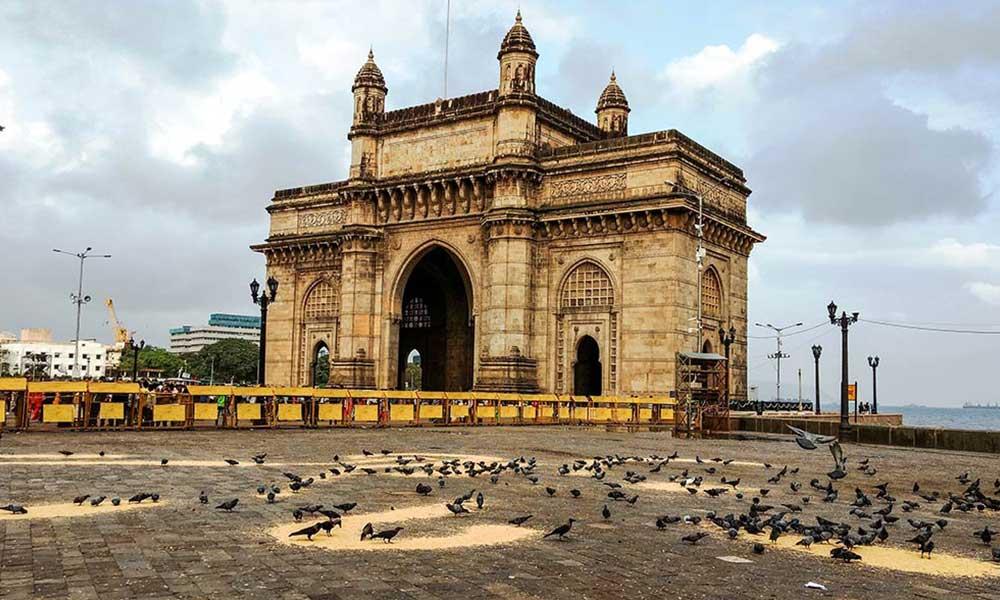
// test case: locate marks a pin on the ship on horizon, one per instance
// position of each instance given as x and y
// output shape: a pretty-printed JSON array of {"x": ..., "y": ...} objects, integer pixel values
[{"x": 971, "y": 405}]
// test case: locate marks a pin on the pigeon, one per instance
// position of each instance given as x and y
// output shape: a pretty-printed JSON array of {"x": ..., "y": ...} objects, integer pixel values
[
  {"x": 79, "y": 500},
  {"x": 423, "y": 489},
  {"x": 309, "y": 532},
  {"x": 926, "y": 548},
  {"x": 518, "y": 521},
  {"x": 575, "y": 493},
  {"x": 116, "y": 501},
  {"x": 480, "y": 500},
  {"x": 561, "y": 531},
  {"x": 261, "y": 490},
  {"x": 694, "y": 537},
  {"x": 758, "y": 548},
  {"x": 844, "y": 554},
  {"x": 270, "y": 497},
  {"x": 606, "y": 512},
  {"x": 154, "y": 497},
  {"x": 97, "y": 501},
  {"x": 258, "y": 458},
  {"x": 345, "y": 507},
  {"x": 367, "y": 531},
  {"x": 228, "y": 505},
  {"x": 297, "y": 515},
  {"x": 232, "y": 462},
  {"x": 203, "y": 498},
  {"x": 996, "y": 554},
  {"x": 456, "y": 508},
  {"x": 367, "y": 452},
  {"x": 65, "y": 453},
  {"x": 550, "y": 491},
  {"x": 387, "y": 535}
]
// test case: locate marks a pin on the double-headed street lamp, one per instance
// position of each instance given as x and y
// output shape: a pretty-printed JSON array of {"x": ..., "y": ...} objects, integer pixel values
[
  {"x": 817, "y": 350},
  {"x": 263, "y": 300},
  {"x": 135, "y": 348},
  {"x": 79, "y": 299},
  {"x": 873, "y": 363},
  {"x": 845, "y": 321},
  {"x": 727, "y": 338}
]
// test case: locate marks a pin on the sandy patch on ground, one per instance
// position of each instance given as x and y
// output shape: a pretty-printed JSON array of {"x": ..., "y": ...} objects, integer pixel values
[
  {"x": 665, "y": 486},
  {"x": 70, "y": 510},
  {"x": 897, "y": 559},
  {"x": 60, "y": 457},
  {"x": 349, "y": 537}
]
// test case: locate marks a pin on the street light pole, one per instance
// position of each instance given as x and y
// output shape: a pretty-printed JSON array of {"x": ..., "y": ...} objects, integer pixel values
[
  {"x": 844, "y": 321},
  {"x": 779, "y": 354},
  {"x": 727, "y": 338},
  {"x": 135, "y": 356},
  {"x": 79, "y": 299},
  {"x": 873, "y": 363},
  {"x": 817, "y": 350},
  {"x": 263, "y": 300}
]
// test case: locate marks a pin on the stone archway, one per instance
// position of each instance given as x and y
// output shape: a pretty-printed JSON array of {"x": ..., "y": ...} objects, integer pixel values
[
  {"x": 435, "y": 322},
  {"x": 587, "y": 368},
  {"x": 320, "y": 365}
]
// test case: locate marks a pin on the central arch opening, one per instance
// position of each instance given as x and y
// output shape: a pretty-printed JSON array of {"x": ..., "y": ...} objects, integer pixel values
[
  {"x": 321, "y": 365},
  {"x": 587, "y": 369},
  {"x": 435, "y": 327}
]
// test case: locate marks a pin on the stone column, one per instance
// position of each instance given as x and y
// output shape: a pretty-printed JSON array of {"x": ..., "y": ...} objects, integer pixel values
[{"x": 354, "y": 365}]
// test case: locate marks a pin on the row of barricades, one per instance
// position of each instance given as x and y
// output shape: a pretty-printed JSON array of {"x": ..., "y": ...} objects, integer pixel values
[{"x": 97, "y": 405}]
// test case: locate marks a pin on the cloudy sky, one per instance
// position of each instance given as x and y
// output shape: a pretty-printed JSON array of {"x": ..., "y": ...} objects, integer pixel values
[{"x": 157, "y": 131}]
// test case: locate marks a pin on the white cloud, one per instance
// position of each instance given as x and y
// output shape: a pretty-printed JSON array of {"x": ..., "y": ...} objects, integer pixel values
[
  {"x": 987, "y": 292},
  {"x": 718, "y": 65},
  {"x": 975, "y": 255}
]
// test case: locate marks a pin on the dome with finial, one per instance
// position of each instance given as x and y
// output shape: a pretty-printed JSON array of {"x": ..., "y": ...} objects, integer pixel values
[
  {"x": 612, "y": 96},
  {"x": 517, "y": 39},
  {"x": 370, "y": 75}
]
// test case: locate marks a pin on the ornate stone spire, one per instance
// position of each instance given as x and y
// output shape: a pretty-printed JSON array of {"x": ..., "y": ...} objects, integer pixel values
[
  {"x": 370, "y": 75},
  {"x": 612, "y": 109},
  {"x": 612, "y": 96},
  {"x": 517, "y": 39}
]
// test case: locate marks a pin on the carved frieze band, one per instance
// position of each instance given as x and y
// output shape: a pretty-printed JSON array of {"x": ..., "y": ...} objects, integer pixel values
[
  {"x": 585, "y": 186},
  {"x": 327, "y": 219}
]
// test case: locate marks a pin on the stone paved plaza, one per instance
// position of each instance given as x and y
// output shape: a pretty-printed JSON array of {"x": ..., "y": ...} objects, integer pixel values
[{"x": 180, "y": 548}]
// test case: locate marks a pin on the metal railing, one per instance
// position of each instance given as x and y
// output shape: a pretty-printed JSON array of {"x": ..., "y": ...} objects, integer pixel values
[{"x": 81, "y": 405}]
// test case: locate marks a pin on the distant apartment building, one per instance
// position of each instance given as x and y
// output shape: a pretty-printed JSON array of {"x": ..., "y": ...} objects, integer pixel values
[
  {"x": 221, "y": 326},
  {"x": 35, "y": 352}
]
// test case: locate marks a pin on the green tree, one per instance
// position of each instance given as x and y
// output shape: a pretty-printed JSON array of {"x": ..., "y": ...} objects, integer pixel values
[
  {"x": 233, "y": 360},
  {"x": 152, "y": 357}
]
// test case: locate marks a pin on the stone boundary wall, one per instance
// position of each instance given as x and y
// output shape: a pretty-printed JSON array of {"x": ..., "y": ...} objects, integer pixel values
[{"x": 886, "y": 435}]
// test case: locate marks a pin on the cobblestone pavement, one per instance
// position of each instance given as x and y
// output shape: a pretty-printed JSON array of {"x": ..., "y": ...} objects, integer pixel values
[{"x": 183, "y": 549}]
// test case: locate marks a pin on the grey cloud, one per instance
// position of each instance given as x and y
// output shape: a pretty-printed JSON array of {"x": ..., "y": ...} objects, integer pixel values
[{"x": 179, "y": 39}]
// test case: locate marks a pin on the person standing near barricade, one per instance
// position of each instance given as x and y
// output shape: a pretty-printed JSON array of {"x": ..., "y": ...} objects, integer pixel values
[{"x": 220, "y": 419}]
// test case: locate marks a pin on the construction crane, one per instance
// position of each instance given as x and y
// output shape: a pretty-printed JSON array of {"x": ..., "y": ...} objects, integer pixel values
[{"x": 121, "y": 333}]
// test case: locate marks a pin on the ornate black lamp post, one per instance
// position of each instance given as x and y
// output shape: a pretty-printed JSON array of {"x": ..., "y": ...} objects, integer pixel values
[
  {"x": 817, "y": 350},
  {"x": 845, "y": 321},
  {"x": 263, "y": 300},
  {"x": 135, "y": 356},
  {"x": 873, "y": 363},
  {"x": 727, "y": 338}
]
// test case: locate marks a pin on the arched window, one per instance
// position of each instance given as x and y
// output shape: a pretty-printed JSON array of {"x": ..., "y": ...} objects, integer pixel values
[
  {"x": 588, "y": 285},
  {"x": 711, "y": 294},
  {"x": 416, "y": 314},
  {"x": 322, "y": 302}
]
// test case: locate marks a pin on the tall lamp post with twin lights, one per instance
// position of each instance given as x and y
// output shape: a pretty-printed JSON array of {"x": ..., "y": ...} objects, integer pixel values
[
  {"x": 817, "y": 350},
  {"x": 727, "y": 338},
  {"x": 873, "y": 363},
  {"x": 844, "y": 321},
  {"x": 135, "y": 348},
  {"x": 262, "y": 299},
  {"x": 79, "y": 299}
]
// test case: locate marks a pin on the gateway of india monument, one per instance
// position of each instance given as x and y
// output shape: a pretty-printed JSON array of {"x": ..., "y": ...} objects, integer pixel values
[{"x": 512, "y": 244}]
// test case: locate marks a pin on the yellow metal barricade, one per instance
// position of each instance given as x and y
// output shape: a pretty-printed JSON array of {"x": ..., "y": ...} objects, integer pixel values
[
  {"x": 111, "y": 405},
  {"x": 293, "y": 406},
  {"x": 254, "y": 406},
  {"x": 329, "y": 406},
  {"x": 56, "y": 404},
  {"x": 402, "y": 405},
  {"x": 508, "y": 408},
  {"x": 459, "y": 407},
  {"x": 13, "y": 397},
  {"x": 430, "y": 407}
]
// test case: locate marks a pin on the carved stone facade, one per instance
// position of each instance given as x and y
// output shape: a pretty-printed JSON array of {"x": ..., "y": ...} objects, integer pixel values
[{"x": 512, "y": 244}]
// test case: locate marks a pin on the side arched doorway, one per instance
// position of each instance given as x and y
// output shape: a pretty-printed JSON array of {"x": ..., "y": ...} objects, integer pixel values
[
  {"x": 587, "y": 368},
  {"x": 436, "y": 325},
  {"x": 320, "y": 365}
]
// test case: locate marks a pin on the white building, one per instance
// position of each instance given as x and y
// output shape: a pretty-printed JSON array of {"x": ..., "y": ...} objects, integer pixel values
[
  {"x": 36, "y": 350},
  {"x": 220, "y": 327}
]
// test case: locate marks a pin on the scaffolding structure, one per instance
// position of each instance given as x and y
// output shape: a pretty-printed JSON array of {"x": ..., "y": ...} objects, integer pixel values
[{"x": 702, "y": 397}]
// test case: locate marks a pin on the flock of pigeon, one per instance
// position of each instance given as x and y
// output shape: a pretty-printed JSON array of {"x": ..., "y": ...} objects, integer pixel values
[{"x": 871, "y": 517}]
